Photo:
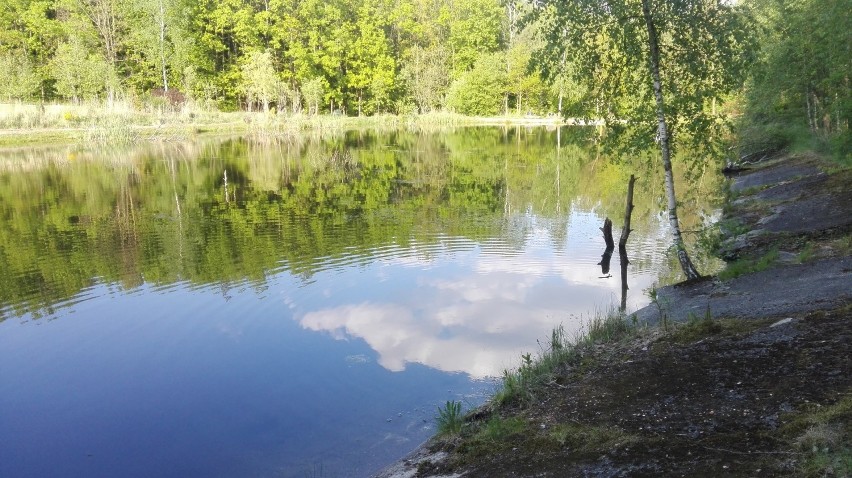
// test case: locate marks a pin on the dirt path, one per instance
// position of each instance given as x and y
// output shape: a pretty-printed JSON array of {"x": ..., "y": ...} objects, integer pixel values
[{"x": 755, "y": 381}]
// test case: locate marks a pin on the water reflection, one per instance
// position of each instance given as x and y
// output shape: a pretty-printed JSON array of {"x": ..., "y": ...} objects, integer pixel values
[
  {"x": 475, "y": 312},
  {"x": 328, "y": 293}
]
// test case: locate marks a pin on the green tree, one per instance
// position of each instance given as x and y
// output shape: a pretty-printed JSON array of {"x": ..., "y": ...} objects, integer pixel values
[
  {"x": 157, "y": 44},
  {"x": 426, "y": 74},
  {"x": 371, "y": 68},
  {"x": 313, "y": 91},
  {"x": 18, "y": 78},
  {"x": 79, "y": 74},
  {"x": 480, "y": 90},
  {"x": 523, "y": 83},
  {"x": 801, "y": 79},
  {"x": 657, "y": 63},
  {"x": 320, "y": 36},
  {"x": 474, "y": 30},
  {"x": 106, "y": 19},
  {"x": 30, "y": 32},
  {"x": 223, "y": 31},
  {"x": 260, "y": 82}
]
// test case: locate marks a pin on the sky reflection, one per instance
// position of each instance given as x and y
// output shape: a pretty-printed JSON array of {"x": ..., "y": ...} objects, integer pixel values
[
  {"x": 475, "y": 311},
  {"x": 307, "y": 323}
]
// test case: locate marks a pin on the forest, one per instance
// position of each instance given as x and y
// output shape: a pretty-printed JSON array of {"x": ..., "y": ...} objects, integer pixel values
[
  {"x": 340, "y": 56},
  {"x": 474, "y": 57}
]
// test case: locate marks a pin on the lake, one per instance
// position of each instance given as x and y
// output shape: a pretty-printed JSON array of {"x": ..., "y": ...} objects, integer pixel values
[{"x": 226, "y": 308}]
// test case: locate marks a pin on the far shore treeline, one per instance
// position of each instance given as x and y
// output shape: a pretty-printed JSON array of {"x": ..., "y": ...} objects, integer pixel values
[{"x": 473, "y": 57}]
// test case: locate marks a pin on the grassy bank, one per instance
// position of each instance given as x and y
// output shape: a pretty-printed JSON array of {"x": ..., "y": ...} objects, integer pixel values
[
  {"x": 737, "y": 382},
  {"x": 22, "y": 124}
]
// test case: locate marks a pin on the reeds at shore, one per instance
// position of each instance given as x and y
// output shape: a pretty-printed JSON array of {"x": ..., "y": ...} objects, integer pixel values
[{"x": 126, "y": 121}]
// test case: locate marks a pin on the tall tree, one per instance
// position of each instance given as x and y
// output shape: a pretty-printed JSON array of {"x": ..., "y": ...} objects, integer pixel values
[
  {"x": 480, "y": 90},
  {"x": 153, "y": 27},
  {"x": 802, "y": 76},
  {"x": 105, "y": 17},
  {"x": 313, "y": 91},
  {"x": 656, "y": 63},
  {"x": 18, "y": 78},
  {"x": 260, "y": 81},
  {"x": 426, "y": 74},
  {"x": 474, "y": 30},
  {"x": 371, "y": 67},
  {"x": 29, "y": 32},
  {"x": 224, "y": 32},
  {"x": 79, "y": 74}
]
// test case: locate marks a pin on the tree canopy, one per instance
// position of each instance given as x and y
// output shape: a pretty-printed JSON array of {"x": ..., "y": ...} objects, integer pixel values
[
  {"x": 659, "y": 65},
  {"x": 800, "y": 83},
  {"x": 360, "y": 57}
]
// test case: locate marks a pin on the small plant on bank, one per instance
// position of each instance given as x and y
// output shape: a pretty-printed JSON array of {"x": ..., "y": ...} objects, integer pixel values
[
  {"x": 807, "y": 254},
  {"x": 661, "y": 305},
  {"x": 709, "y": 239},
  {"x": 748, "y": 266},
  {"x": 844, "y": 244},
  {"x": 697, "y": 328},
  {"x": 498, "y": 429},
  {"x": 450, "y": 418},
  {"x": 589, "y": 438},
  {"x": 731, "y": 228},
  {"x": 494, "y": 436},
  {"x": 604, "y": 329}
]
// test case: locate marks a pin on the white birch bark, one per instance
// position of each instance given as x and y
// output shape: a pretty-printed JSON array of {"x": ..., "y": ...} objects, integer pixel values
[{"x": 663, "y": 133}]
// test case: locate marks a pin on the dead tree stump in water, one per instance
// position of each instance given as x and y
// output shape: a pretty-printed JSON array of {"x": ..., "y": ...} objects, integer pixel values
[
  {"x": 625, "y": 232},
  {"x": 607, "y": 233},
  {"x": 610, "y": 245},
  {"x": 622, "y": 242}
]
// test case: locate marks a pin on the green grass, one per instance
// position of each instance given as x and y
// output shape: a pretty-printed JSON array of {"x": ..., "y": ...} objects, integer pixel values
[
  {"x": 450, "y": 418},
  {"x": 496, "y": 435},
  {"x": 748, "y": 266},
  {"x": 807, "y": 254},
  {"x": 606, "y": 328},
  {"x": 499, "y": 429},
  {"x": 696, "y": 328},
  {"x": 586, "y": 439},
  {"x": 520, "y": 385},
  {"x": 823, "y": 436}
]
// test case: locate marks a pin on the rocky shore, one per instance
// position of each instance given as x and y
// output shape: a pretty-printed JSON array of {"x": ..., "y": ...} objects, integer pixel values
[{"x": 748, "y": 373}]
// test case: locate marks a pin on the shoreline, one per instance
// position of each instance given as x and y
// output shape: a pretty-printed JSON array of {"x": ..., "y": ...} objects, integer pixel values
[
  {"x": 743, "y": 374},
  {"x": 141, "y": 126}
]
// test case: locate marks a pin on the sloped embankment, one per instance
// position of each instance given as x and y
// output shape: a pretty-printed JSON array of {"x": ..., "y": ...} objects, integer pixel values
[{"x": 755, "y": 380}]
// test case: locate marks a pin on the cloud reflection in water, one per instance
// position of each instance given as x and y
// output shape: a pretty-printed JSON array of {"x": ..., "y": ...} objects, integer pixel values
[{"x": 471, "y": 311}]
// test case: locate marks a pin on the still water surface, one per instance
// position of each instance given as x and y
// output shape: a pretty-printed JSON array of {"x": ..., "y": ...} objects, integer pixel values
[{"x": 220, "y": 308}]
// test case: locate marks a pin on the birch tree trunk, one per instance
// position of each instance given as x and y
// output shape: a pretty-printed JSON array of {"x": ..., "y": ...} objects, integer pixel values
[
  {"x": 161, "y": 20},
  {"x": 663, "y": 133},
  {"x": 102, "y": 14}
]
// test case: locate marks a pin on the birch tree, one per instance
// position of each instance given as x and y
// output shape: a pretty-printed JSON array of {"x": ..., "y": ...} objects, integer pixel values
[
  {"x": 105, "y": 17},
  {"x": 260, "y": 82},
  {"x": 657, "y": 64},
  {"x": 154, "y": 36}
]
